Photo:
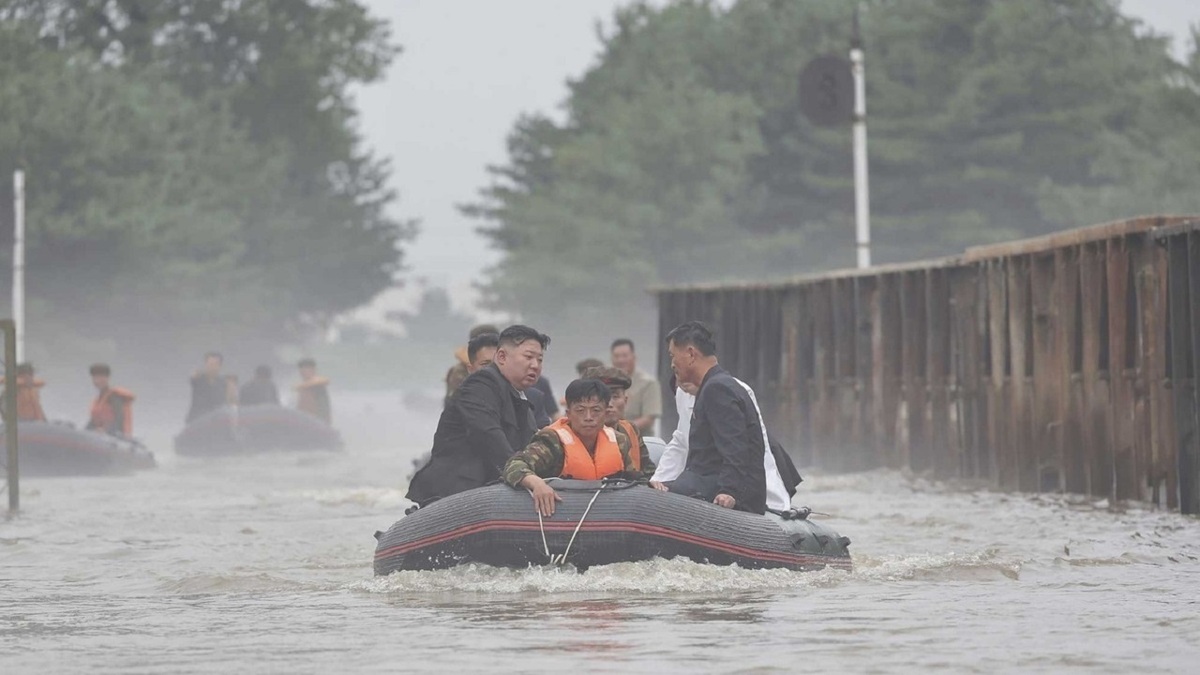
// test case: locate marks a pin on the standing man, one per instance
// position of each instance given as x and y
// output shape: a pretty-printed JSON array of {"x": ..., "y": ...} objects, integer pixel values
[
  {"x": 486, "y": 421},
  {"x": 29, "y": 394},
  {"x": 312, "y": 394},
  {"x": 209, "y": 389},
  {"x": 112, "y": 411},
  {"x": 261, "y": 390},
  {"x": 645, "y": 398},
  {"x": 726, "y": 442}
]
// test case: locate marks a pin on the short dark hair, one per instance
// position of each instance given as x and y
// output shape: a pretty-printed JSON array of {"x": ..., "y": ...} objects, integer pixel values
[
  {"x": 100, "y": 369},
  {"x": 696, "y": 334},
  {"x": 306, "y": 362},
  {"x": 481, "y": 329},
  {"x": 517, "y": 333},
  {"x": 587, "y": 364},
  {"x": 479, "y": 342},
  {"x": 214, "y": 355},
  {"x": 263, "y": 372},
  {"x": 619, "y": 342},
  {"x": 25, "y": 368},
  {"x": 583, "y": 390}
]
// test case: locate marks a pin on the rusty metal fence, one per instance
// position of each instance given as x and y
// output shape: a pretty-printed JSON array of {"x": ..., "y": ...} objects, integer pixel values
[{"x": 1066, "y": 363}]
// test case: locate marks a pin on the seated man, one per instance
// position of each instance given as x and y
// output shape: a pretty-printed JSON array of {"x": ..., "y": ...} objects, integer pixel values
[
  {"x": 112, "y": 411},
  {"x": 726, "y": 442},
  {"x": 577, "y": 446},
  {"x": 488, "y": 419},
  {"x": 618, "y": 383},
  {"x": 261, "y": 390}
]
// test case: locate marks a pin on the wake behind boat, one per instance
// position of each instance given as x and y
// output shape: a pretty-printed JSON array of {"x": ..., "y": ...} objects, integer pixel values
[
  {"x": 600, "y": 523},
  {"x": 232, "y": 430},
  {"x": 60, "y": 449}
]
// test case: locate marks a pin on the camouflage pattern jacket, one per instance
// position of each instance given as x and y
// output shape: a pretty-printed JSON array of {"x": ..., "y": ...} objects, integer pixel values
[{"x": 544, "y": 457}]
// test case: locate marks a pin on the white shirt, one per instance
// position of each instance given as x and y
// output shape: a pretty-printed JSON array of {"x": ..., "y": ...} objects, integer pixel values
[{"x": 674, "y": 457}]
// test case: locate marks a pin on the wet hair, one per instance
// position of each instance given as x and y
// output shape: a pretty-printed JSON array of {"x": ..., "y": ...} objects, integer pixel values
[
  {"x": 613, "y": 377},
  {"x": 214, "y": 355},
  {"x": 584, "y": 390},
  {"x": 587, "y": 364},
  {"x": 621, "y": 342},
  {"x": 25, "y": 368},
  {"x": 479, "y": 342},
  {"x": 100, "y": 369},
  {"x": 516, "y": 334},
  {"x": 694, "y": 333},
  {"x": 482, "y": 329},
  {"x": 306, "y": 363},
  {"x": 263, "y": 372}
]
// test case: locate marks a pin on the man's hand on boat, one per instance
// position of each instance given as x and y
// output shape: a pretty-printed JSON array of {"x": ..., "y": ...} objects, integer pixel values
[
  {"x": 659, "y": 485},
  {"x": 725, "y": 501},
  {"x": 543, "y": 495}
]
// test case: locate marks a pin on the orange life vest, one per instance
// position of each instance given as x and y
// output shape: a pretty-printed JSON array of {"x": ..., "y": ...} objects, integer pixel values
[
  {"x": 104, "y": 416},
  {"x": 29, "y": 401},
  {"x": 635, "y": 448},
  {"x": 580, "y": 464}
]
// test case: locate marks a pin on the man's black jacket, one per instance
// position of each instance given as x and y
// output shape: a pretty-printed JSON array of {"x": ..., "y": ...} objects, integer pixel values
[
  {"x": 726, "y": 441},
  {"x": 485, "y": 423}
]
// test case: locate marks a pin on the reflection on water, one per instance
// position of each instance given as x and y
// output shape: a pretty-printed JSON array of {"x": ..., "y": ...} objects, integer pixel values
[{"x": 210, "y": 566}]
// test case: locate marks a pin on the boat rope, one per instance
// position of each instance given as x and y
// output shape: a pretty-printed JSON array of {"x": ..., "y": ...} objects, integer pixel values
[{"x": 562, "y": 559}]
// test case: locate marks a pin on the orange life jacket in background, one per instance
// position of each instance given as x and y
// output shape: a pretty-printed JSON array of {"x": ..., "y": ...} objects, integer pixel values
[
  {"x": 635, "y": 449},
  {"x": 29, "y": 401},
  {"x": 104, "y": 414},
  {"x": 580, "y": 464}
]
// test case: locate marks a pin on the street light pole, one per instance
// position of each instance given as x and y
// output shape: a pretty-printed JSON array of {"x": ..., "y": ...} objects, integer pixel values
[{"x": 862, "y": 195}]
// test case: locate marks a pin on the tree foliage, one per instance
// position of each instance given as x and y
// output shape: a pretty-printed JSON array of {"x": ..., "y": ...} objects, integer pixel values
[
  {"x": 195, "y": 175},
  {"x": 684, "y": 156}
]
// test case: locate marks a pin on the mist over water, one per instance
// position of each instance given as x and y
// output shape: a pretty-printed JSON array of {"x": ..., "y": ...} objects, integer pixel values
[{"x": 264, "y": 564}]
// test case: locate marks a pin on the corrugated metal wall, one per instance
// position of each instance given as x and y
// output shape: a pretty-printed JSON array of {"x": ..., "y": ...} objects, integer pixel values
[{"x": 1065, "y": 363}]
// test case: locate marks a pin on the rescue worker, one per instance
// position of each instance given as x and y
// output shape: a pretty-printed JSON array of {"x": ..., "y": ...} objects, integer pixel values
[
  {"x": 487, "y": 420},
  {"x": 312, "y": 393},
  {"x": 462, "y": 366},
  {"x": 112, "y": 411},
  {"x": 578, "y": 446},
  {"x": 29, "y": 394},
  {"x": 210, "y": 390},
  {"x": 261, "y": 390},
  {"x": 618, "y": 383}
]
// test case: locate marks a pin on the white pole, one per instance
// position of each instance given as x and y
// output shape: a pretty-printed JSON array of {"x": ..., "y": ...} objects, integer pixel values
[
  {"x": 18, "y": 299},
  {"x": 862, "y": 195}
]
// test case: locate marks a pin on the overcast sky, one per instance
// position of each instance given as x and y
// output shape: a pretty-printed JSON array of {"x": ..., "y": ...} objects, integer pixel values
[{"x": 469, "y": 68}]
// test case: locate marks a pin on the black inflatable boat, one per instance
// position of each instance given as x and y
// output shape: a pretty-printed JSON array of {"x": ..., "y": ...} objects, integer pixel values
[
  {"x": 255, "y": 428},
  {"x": 59, "y": 449},
  {"x": 621, "y": 522}
]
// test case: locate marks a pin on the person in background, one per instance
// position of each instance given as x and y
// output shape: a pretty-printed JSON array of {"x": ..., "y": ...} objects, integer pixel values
[
  {"x": 481, "y": 351},
  {"x": 586, "y": 365},
  {"x": 487, "y": 420},
  {"x": 29, "y": 394},
  {"x": 261, "y": 390},
  {"x": 461, "y": 368},
  {"x": 112, "y": 411},
  {"x": 210, "y": 390},
  {"x": 618, "y": 383},
  {"x": 726, "y": 441},
  {"x": 312, "y": 393},
  {"x": 578, "y": 446},
  {"x": 645, "y": 397}
]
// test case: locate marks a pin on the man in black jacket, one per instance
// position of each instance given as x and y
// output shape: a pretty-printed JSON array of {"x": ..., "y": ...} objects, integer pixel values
[
  {"x": 725, "y": 443},
  {"x": 487, "y": 420}
]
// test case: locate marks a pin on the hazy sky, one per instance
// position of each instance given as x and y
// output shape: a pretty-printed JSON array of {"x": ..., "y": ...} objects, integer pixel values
[{"x": 469, "y": 68}]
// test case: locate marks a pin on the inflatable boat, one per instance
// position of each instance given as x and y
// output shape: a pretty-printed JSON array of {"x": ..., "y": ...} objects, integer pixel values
[
  {"x": 233, "y": 430},
  {"x": 59, "y": 449},
  {"x": 600, "y": 523}
]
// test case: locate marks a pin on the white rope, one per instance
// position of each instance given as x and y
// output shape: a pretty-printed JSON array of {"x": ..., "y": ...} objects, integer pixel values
[{"x": 562, "y": 559}]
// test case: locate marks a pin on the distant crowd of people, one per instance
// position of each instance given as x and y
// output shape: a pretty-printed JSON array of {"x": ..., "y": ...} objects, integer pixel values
[
  {"x": 501, "y": 421},
  {"x": 112, "y": 410}
]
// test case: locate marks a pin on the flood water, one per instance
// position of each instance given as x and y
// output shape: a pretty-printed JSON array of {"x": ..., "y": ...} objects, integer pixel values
[{"x": 263, "y": 564}]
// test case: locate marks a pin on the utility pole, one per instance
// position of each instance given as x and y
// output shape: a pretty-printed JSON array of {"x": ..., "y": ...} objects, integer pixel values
[
  {"x": 18, "y": 287},
  {"x": 862, "y": 195}
]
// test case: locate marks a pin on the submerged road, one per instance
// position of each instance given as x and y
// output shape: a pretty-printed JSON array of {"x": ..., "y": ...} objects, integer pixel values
[{"x": 263, "y": 564}]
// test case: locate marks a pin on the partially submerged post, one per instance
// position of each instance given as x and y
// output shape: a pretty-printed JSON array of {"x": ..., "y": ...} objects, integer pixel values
[{"x": 9, "y": 327}]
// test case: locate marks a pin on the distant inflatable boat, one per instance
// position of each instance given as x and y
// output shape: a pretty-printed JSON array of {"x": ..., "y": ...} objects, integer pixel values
[
  {"x": 257, "y": 428},
  {"x": 59, "y": 449},
  {"x": 600, "y": 523}
]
